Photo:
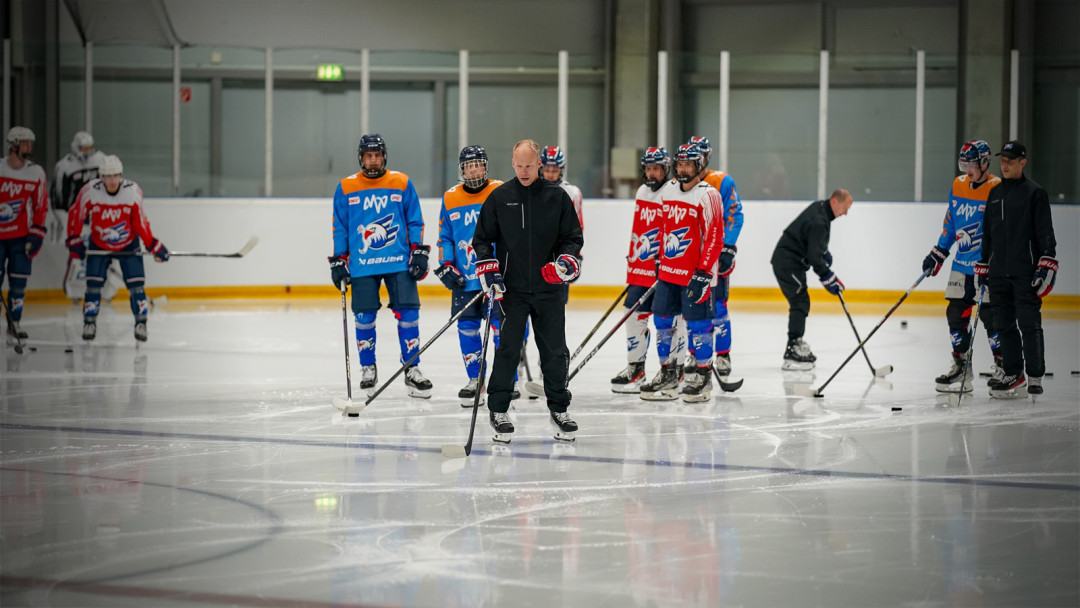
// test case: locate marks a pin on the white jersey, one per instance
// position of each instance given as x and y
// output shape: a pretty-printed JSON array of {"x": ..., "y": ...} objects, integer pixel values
[
  {"x": 71, "y": 175},
  {"x": 575, "y": 197}
]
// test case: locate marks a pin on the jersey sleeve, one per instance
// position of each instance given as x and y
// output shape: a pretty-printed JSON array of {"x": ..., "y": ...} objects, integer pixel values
[
  {"x": 41, "y": 201},
  {"x": 948, "y": 227},
  {"x": 712, "y": 229},
  {"x": 446, "y": 236},
  {"x": 733, "y": 213},
  {"x": 817, "y": 242},
  {"x": 1045, "y": 241},
  {"x": 77, "y": 213},
  {"x": 139, "y": 219},
  {"x": 414, "y": 219},
  {"x": 340, "y": 227}
]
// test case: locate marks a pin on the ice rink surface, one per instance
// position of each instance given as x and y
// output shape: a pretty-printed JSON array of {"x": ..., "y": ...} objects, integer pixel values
[{"x": 207, "y": 467}]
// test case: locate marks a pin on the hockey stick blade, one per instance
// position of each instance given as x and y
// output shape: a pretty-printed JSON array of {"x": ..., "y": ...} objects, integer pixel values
[
  {"x": 453, "y": 451},
  {"x": 534, "y": 389},
  {"x": 883, "y": 371},
  {"x": 348, "y": 406},
  {"x": 806, "y": 391},
  {"x": 727, "y": 387}
]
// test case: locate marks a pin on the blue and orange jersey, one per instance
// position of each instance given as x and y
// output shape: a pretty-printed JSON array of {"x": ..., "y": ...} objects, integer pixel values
[
  {"x": 376, "y": 221},
  {"x": 733, "y": 216},
  {"x": 963, "y": 223},
  {"x": 457, "y": 222}
]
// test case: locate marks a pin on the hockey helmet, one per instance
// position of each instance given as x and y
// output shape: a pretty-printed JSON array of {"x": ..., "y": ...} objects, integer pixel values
[
  {"x": 81, "y": 140},
  {"x": 655, "y": 156},
  {"x": 471, "y": 155},
  {"x": 975, "y": 154},
  {"x": 703, "y": 143},
  {"x": 111, "y": 165},
  {"x": 689, "y": 153},
  {"x": 372, "y": 142}
]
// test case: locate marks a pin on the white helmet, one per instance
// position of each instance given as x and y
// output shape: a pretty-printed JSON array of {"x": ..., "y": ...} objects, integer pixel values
[
  {"x": 81, "y": 140},
  {"x": 18, "y": 134},
  {"x": 110, "y": 165}
]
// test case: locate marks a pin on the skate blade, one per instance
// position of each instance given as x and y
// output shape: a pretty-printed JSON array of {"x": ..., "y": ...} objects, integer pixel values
[
  {"x": 564, "y": 437},
  {"x": 703, "y": 397},
  {"x": 348, "y": 407},
  {"x": 453, "y": 451},
  {"x": 796, "y": 367},
  {"x": 626, "y": 389},
  {"x": 468, "y": 403},
  {"x": 1006, "y": 395},
  {"x": 659, "y": 396},
  {"x": 503, "y": 438},
  {"x": 419, "y": 394},
  {"x": 949, "y": 388}
]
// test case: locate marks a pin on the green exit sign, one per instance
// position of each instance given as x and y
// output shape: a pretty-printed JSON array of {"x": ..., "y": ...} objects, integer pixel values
[{"x": 330, "y": 71}]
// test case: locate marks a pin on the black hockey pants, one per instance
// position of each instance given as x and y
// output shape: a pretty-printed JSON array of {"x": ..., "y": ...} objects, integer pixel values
[
  {"x": 1017, "y": 311},
  {"x": 548, "y": 315}
]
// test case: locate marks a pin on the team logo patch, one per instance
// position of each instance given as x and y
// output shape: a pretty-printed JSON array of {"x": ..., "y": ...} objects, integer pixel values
[
  {"x": 412, "y": 344},
  {"x": 968, "y": 238},
  {"x": 645, "y": 245},
  {"x": 471, "y": 358},
  {"x": 455, "y": 216},
  {"x": 10, "y": 210},
  {"x": 395, "y": 198},
  {"x": 143, "y": 306},
  {"x": 378, "y": 234},
  {"x": 365, "y": 345},
  {"x": 470, "y": 254},
  {"x": 675, "y": 244},
  {"x": 90, "y": 308},
  {"x": 117, "y": 233},
  {"x": 354, "y": 200}
]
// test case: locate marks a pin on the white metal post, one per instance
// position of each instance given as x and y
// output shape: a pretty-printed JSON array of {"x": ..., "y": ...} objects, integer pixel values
[
  {"x": 1014, "y": 96},
  {"x": 463, "y": 99},
  {"x": 920, "y": 119},
  {"x": 365, "y": 91},
  {"x": 88, "y": 84},
  {"x": 176, "y": 120},
  {"x": 7, "y": 85},
  {"x": 268, "y": 125},
  {"x": 564, "y": 98},
  {"x": 823, "y": 122},
  {"x": 725, "y": 96},
  {"x": 661, "y": 98}
]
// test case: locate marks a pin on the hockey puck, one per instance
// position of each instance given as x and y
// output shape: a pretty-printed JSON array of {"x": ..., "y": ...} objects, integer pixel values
[
  {"x": 897, "y": 409},
  {"x": 354, "y": 415},
  {"x": 903, "y": 324},
  {"x": 69, "y": 350}
]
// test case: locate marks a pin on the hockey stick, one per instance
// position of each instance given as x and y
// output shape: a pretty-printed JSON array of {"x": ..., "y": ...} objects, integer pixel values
[
  {"x": 254, "y": 240},
  {"x": 727, "y": 387},
  {"x": 626, "y": 316},
  {"x": 880, "y": 372},
  {"x": 809, "y": 392},
  {"x": 11, "y": 324},
  {"x": 346, "y": 405},
  {"x": 404, "y": 367},
  {"x": 457, "y": 451},
  {"x": 600, "y": 322},
  {"x": 955, "y": 396}
]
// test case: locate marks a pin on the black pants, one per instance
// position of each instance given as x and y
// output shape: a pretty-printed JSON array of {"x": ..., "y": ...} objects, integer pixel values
[
  {"x": 792, "y": 280},
  {"x": 548, "y": 315},
  {"x": 1017, "y": 311}
]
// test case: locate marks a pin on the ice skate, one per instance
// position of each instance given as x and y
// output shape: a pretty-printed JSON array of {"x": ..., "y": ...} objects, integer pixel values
[
  {"x": 722, "y": 365},
  {"x": 1034, "y": 386},
  {"x": 997, "y": 372},
  {"x": 140, "y": 331},
  {"x": 798, "y": 357},
  {"x": 467, "y": 394},
  {"x": 369, "y": 375},
  {"x": 629, "y": 380},
  {"x": 15, "y": 331},
  {"x": 664, "y": 386},
  {"x": 690, "y": 366},
  {"x": 89, "y": 330},
  {"x": 563, "y": 425},
  {"x": 1009, "y": 387},
  {"x": 500, "y": 423},
  {"x": 416, "y": 384},
  {"x": 698, "y": 386},
  {"x": 949, "y": 381}
]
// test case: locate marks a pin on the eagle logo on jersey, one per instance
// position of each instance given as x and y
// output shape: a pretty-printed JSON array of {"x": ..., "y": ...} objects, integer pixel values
[
  {"x": 674, "y": 243},
  {"x": 471, "y": 358},
  {"x": 645, "y": 246},
  {"x": 10, "y": 210},
  {"x": 378, "y": 234},
  {"x": 117, "y": 233},
  {"x": 412, "y": 344},
  {"x": 143, "y": 306},
  {"x": 365, "y": 345},
  {"x": 470, "y": 254},
  {"x": 968, "y": 238}
]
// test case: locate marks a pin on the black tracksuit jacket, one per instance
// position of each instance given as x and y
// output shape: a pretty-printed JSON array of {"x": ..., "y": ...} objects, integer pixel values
[
  {"x": 805, "y": 240},
  {"x": 529, "y": 227},
  {"x": 1017, "y": 228}
]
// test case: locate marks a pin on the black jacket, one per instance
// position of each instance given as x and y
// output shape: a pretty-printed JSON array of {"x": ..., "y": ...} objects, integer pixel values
[
  {"x": 806, "y": 239},
  {"x": 529, "y": 227},
  {"x": 1017, "y": 228}
]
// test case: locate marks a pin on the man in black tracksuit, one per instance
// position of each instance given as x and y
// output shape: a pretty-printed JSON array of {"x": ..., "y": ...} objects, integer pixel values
[
  {"x": 1018, "y": 261},
  {"x": 805, "y": 245},
  {"x": 531, "y": 225}
]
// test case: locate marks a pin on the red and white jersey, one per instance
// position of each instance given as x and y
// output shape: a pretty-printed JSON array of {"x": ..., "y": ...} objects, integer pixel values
[
  {"x": 115, "y": 219},
  {"x": 645, "y": 237},
  {"x": 575, "y": 196},
  {"x": 23, "y": 200},
  {"x": 692, "y": 232}
]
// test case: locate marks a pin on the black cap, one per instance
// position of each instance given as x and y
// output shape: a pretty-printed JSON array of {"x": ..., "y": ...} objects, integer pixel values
[{"x": 1013, "y": 150}]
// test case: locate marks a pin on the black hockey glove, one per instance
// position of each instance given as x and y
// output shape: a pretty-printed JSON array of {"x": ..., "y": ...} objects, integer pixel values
[
  {"x": 698, "y": 289},
  {"x": 34, "y": 239},
  {"x": 727, "y": 260},
  {"x": 832, "y": 283},
  {"x": 1045, "y": 275},
  {"x": 77, "y": 247},
  {"x": 418, "y": 261},
  {"x": 491, "y": 280},
  {"x": 450, "y": 276},
  {"x": 982, "y": 275},
  {"x": 934, "y": 260},
  {"x": 339, "y": 269},
  {"x": 157, "y": 248}
]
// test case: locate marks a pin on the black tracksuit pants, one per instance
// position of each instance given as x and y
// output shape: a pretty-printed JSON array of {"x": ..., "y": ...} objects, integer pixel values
[
  {"x": 792, "y": 280},
  {"x": 548, "y": 313},
  {"x": 1017, "y": 311}
]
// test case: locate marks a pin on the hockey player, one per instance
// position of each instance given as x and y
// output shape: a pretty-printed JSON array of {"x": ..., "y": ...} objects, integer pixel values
[
  {"x": 378, "y": 234},
  {"x": 804, "y": 245},
  {"x": 1019, "y": 260},
  {"x": 733, "y": 221},
  {"x": 641, "y": 274},
  {"x": 963, "y": 225},
  {"x": 691, "y": 237},
  {"x": 114, "y": 207},
  {"x": 457, "y": 262},
  {"x": 553, "y": 169},
  {"x": 23, "y": 209},
  {"x": 530, "y": 223}
]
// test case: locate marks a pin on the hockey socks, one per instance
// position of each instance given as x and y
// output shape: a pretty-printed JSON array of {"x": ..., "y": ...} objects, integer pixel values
[
  {"x": 701, "y": 339},
  {"x": 408, "y": 331},
  {"x": 637, "y": 337},
  {"x": 469, "y": 339},
  {"x": 365, "y": 337},
  {"x": 721, "y": 329}
]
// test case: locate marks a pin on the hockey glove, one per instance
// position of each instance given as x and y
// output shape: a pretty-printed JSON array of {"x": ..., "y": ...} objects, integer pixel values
[
  {"x": 34, "y": 239},
  {"x": 1045, "y": 275},
  {"x": 450, "y": 276},
  {"x": 418, "y": 261},
  {"x": 827, "y": 257},
  {"x": 339, "y": 269},
  {"x": 727, "y": 260},
  {"x": 698, "y": 289},
  {"x": 934, "y": 260},
  {"x": 831, "y": 283},
  {"x": 76, "y": 248},
  {"x": 562, "y": 270},
  {"x": 491, "y": 280},
  {"x": 982, "y": 276},
  {"x": 157, "y": 248}
]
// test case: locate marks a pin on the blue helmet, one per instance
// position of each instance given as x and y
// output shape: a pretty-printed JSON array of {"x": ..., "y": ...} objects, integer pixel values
[
  {"x": 469, "y": 155},
  {"x": 655, "y": 156},
  {"x": 691, "y": 153},
  {"x": 552, "y": 157},
  {"x": 703, "y": 143},
  {"x": 976, "y": 152},
  {"x": 371, "y": 143}
]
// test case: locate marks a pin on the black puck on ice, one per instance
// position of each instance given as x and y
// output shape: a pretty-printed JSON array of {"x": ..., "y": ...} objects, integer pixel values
[
  {"x": 69, "y": 350},
  {"x": 903, "y": 324},
  {"x": 354, "y": 415},
  {"x": 897, "y": 409}
]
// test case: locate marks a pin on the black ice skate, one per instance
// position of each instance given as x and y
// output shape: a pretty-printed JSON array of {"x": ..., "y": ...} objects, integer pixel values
[
  {"x": 690, "y": 366},
  {"x": 798, "y": 357},
  {"x": 467, "y": 394},
  {"x": 500, "y": 423},
  {"x": 369, "y": 375},
  {"x": 698, "y": 386},
  {"x": 89, "y": 330},
  {"x": 416, "y": 384},
  {"x": 563, "y": 425},
  {"x": 140, "y": 331},
  {"x": 629, "y": 380},
  {"x": 1034, "y": 386},
  {"x": 722, "y": 365},
  {"x": 997, "y": 372},
  {"x": 949, "y": 382},
  {"x": 1009, "y": 387},
  {"x": 664, "y": 386}
]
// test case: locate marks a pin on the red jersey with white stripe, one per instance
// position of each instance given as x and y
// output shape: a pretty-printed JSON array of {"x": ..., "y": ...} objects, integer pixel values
[
  {"x": 692, "y": 231},
  {"x": 575, "y": 197},
  {"x": 645, "y": 237},
  {"x": 115, "y": 219},
  {"x": 23, "y": 199}
]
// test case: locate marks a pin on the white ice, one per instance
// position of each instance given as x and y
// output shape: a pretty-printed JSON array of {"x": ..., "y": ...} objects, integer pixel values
[{"x": 207, "y": 467}]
